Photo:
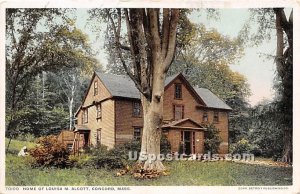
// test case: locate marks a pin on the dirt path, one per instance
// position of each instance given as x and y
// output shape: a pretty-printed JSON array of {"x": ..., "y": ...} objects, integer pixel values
[{"x": 264, "y": 163}]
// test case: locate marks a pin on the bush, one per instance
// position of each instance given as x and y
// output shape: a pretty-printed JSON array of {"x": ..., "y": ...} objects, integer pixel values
[
  {"x": 243, "y": 146},
  {"x": 116, "y": 158},
  {"x": 165, "y": 146},
  {"x": 98, "y": 157},
  {"x": 212, "y": 140},
  {"x": 49, "y": 153}
]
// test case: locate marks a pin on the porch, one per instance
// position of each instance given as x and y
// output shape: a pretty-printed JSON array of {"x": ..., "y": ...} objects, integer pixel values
[{"x": 185, "y": 136}]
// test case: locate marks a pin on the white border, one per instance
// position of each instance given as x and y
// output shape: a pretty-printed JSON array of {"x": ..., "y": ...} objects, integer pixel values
[{"x": 295, "y": 4}]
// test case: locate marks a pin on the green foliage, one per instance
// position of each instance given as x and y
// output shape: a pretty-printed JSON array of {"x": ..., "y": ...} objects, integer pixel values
[
  {"x": 267, "y": 130},
  {"x": 39, "y": 40},
  {"x": 212, "y": 139},
  {"x": 242, "y": 146},
  {"x": 16, "y": 145},
  {"x": 99, "y": 157},
  {"x": 118, "y": 157},
  {"x": 49, "y": 153},
  {"x": 165, "y": 146},
  {"x": 27, "y": 137}
]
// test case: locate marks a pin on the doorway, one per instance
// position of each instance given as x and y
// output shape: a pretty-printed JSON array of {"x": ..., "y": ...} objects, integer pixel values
[{"x": 187, "y": 138}]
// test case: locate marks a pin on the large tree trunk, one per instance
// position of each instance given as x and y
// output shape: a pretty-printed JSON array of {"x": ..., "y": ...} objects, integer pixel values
[
  {"x": 151, "y": 46},
  {"x": 153, "y": 117},
  {"x": 284, "y": 66}
]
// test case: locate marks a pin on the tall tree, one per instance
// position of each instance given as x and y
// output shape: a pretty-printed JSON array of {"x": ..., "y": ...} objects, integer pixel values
[
  {"x": 284, "y": 66},
  {"x": 150, "y": 41},
  {"x": 38, "y": 40},
  {"x": 275, "y": 20}
]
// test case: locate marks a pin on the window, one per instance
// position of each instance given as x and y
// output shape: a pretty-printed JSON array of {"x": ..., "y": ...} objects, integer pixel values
[
  {"x": 136, "y": 109},
  {"x": 69, "y": 146},
  {"x": 216, "y": 116},
  {"x": 205, "y": 116},
  {"x": 137, "y": 131},
  {"x": 75, "y": 121},
  {"x": 95, "y": 88},
  {"x": 98, "y": 137},
  {"x": 99, "y": 111},
  {"x": 178, "y": 112},
  {"x": 178, "y": 91},
  {"x": 85, "y": 116}
]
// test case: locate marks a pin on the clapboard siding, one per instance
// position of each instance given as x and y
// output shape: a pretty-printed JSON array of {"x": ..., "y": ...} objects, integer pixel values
[
  {"x": 117, "y": 120},
  {"x": 125, "y": 121},
  {"x": 103, "y": 93}
]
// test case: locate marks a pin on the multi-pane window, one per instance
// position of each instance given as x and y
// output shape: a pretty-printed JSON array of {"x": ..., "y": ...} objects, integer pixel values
[
  {"x": 85, "y": 116},
  {"x": 137, "y": 132},
  {"x": 178, "y": 112},
  {"x": 99, "y": 111},
  {"x": 69, "y": 147},
  {"x": 216, "y": 116},
  {"x": 205, "y": 116},
  {"x": 136, "y": 112},
  {"x": 178, "y": 91},
  {"x": 95, "y": 88}
]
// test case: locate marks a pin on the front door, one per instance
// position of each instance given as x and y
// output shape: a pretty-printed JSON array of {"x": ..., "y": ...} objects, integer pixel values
[
  {"x": 188, "y": 140},
  {"x": 85, "y": 139}
]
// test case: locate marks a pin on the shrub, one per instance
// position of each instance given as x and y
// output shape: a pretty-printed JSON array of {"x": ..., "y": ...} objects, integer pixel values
[
  {"x": 49, "y": 153},
  {"x": 98, "y": 157},
  {"x": 116, "y": 158},
  {"x": 165, "y": 146},
  {"x": 212, "y": 139},
  {"x": 243, "y": 146}
]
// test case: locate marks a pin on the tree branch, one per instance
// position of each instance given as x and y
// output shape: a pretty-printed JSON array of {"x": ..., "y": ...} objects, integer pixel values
[
  {"x": 129, "y": 33},
  {"x": 165, "y": 31},
  {"x": 172, "y": 39},
  {"x": 117, "y": 42},
  {"x": 154, "y": 31}
]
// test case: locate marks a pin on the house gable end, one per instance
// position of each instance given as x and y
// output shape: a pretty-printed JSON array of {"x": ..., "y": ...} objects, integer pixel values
[
  {"x": 90, "y": 98},
  {"x": 179, "y": 78}
]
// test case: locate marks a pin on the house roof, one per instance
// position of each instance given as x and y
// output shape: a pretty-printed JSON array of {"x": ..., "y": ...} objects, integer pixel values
[
  {"x": 119, "y": 85},
  {"x": 123, "y": 86},
  {"x": 210, "y": 99}
]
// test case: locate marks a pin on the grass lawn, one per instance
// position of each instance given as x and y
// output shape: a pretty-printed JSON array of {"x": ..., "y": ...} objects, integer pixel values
[{"x": 182, "y": 173}]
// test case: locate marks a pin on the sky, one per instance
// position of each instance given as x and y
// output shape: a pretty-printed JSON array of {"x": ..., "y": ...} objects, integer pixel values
[{"x": 258, "y": 70}]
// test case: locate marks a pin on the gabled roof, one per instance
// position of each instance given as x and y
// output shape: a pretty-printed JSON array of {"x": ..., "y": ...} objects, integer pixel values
[
  {"x": 210, "y": 99},
  {"x": 119, "y": 85},
  {"x": 178, "y": 122},
  {"x": 123, "y": 86}
]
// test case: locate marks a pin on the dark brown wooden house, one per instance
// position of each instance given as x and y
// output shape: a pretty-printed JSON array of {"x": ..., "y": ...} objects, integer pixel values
[{"x": 111, "y": 114}]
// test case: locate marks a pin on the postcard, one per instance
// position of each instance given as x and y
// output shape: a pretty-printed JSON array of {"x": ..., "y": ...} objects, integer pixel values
[{"x": 149, "y": 96}]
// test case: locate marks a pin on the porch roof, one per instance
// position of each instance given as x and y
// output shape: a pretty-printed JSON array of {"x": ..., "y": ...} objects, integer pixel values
[
  {"x": 180, "y": 124},
  {"x": 81, "y": 128}
]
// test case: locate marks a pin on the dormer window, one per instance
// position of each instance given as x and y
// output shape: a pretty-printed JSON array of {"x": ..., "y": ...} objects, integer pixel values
[
  {"x": 95, "y": 88},
  {"x": 178, "y": 91}
]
